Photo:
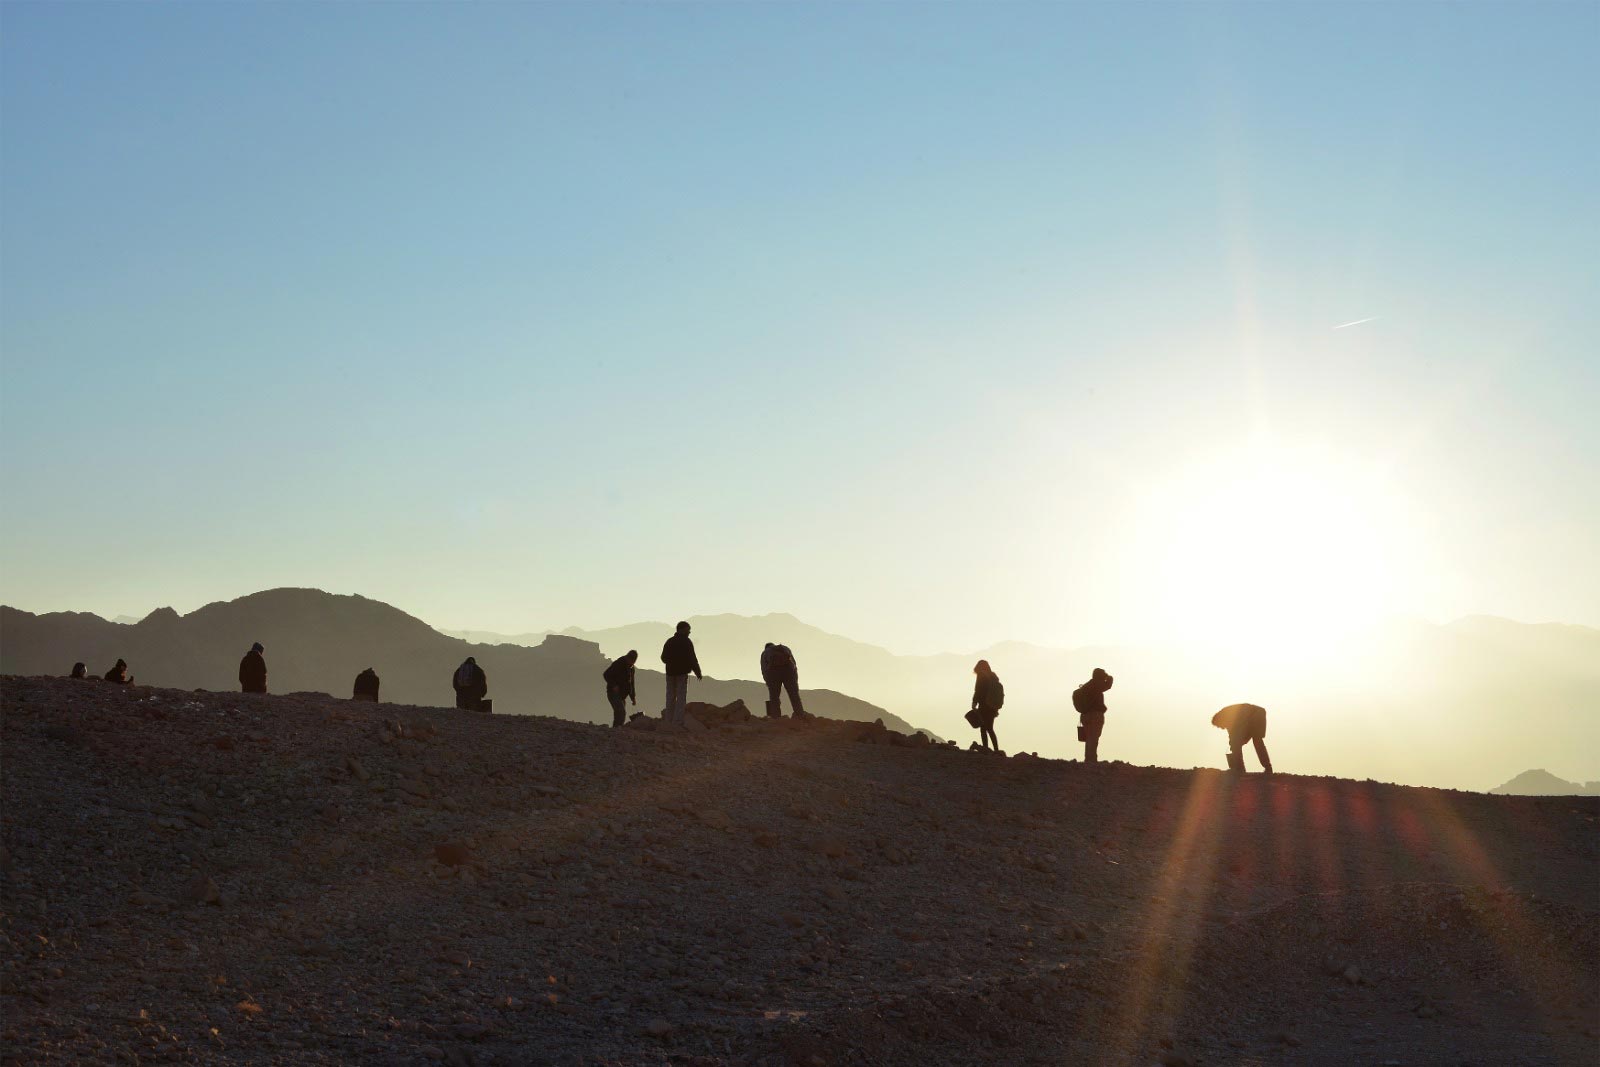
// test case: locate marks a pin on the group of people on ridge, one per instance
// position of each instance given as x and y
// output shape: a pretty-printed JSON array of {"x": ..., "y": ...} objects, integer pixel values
[
  {"x": 1244, "y": 722},
  {"x": 679, "y": 660},
  {"x": 781, "y": 673}
]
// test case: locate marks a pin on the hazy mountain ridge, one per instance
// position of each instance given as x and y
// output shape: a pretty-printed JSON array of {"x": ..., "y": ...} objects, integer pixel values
[
  {"x": 1541, "y": 783},
  {"x": 318, "y": 641}
]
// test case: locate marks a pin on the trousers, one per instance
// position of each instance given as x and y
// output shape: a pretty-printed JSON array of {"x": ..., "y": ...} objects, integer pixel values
[
  {"x": 677, "y": 698},
  {"x": 1092, "y": 726},
  {"x": 792, "y": 684}
]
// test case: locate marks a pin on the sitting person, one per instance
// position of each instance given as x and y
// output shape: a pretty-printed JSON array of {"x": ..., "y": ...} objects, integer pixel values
[
  {"x": 366, "y": 687},
  {"x": 119, "y": 674},
  {"x": 79, "y": 671},
  {"x": 471, "y": 685}
]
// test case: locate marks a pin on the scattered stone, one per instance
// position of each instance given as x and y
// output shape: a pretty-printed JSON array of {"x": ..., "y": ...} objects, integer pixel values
[
  {"x": 203, "y": 890},
  {"x": 452, "y": 854}
]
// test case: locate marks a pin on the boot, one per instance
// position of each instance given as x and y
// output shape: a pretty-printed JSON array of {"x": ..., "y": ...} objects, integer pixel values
[
  {"x": 773, "y": 710},
  {"x": 1235, "y": 763}
]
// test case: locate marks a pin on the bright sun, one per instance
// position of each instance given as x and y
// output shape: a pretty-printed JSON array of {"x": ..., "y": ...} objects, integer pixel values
[{"x": 1272, "y": 552}]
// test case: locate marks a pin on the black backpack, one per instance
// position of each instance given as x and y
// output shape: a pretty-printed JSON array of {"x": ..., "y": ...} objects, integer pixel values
[
  {"x": 1081, "y": 702},
  {"x": 999, "y": 692}
]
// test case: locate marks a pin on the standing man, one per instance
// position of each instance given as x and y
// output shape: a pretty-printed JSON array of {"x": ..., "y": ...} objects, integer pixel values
[
  {"x": 619, "y": 685},
  {"x": 779, "y": 671},
  {"x": 679, "y": 659},
  {"x": 253, "y": 670},
  {"x": 1244, "y": 722},
  {"x": 1089, "y": 700},
  {"x": 471, "y": 685},
  {"x": 988, "y": 697}
]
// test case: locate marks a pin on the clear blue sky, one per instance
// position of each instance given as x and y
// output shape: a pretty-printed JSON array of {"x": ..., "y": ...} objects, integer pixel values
[{"x": 929, "y": 323}]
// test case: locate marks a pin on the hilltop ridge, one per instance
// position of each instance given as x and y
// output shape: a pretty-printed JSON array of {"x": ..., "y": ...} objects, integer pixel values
[{"x": 301, "y": 880}]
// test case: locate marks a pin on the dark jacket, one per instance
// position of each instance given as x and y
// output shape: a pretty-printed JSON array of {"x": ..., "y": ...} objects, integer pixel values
[
  {"x": 678, "y": 656},
  {"x": 619, "y": 678},
  {"x": 1093, "y": 698},
  {"x": 469, "y": 678},
  {"x": 366, "y": 684},
  {"x": 253, "y": 673},
  {"x": 119, "y": 674},
  {"x": 986, "y": 692},
  {"x": 777, "y": 664},
  {"x": 1244, "y": 722}
]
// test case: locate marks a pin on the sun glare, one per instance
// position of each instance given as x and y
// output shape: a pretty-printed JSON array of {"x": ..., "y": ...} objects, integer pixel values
[{"x": 1272, "y": 553}]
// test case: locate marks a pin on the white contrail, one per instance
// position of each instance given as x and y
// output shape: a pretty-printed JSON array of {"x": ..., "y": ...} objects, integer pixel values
[{"x": 1358, "y": 322}]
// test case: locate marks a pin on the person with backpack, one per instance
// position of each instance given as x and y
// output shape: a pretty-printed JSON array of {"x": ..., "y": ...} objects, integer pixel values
[
  {"x": 253, "y": 670},
  {"x": 119, "y": 674},
  {"x": 619, "y": 685},
  {"x": 1244, "y": 722},
  {"x": 366, "y": 687},
  {"x": 471, "y": 685},
  {"x": 988, "y": 695},
  {"x": 779, "y": 671},
  {"x": 677, "y": 655},
  {"x": 1089, "y": 701}
]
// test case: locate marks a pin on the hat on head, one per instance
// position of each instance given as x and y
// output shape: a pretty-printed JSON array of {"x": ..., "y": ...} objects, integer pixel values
[{"x": 257, "y": 647}]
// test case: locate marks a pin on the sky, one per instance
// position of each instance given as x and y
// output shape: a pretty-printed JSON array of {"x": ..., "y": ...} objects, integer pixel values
[{"x": 934, "y": 325}]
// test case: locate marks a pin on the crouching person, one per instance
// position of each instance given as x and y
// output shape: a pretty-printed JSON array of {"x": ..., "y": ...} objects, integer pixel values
[
  {"x": 471, "y": 685},
  {"x": 366, "y": 687}
]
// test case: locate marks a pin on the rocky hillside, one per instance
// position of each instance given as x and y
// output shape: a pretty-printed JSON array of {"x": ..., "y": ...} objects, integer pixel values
[
  {"x": 318, "y": 641},
  {"x": 203, "y": 877}
]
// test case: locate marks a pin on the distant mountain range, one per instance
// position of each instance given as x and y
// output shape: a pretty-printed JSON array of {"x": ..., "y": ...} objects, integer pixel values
[
  {"x": 319, "y": 641},
  {"x": 1544, "y": 784},
  {"x": 1451, "y": 705}
]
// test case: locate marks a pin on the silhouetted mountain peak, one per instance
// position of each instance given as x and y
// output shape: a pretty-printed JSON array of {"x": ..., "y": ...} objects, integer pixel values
[
  {"x": 1541, "y": 783},
  {"x": 159, "y": 617}
]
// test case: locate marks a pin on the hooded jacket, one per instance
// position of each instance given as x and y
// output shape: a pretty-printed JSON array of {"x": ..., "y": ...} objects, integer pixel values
[{"x": 253, "y": 672}]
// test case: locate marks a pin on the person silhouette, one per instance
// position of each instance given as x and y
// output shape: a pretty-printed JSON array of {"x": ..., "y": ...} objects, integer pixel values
[
  {"x": 1089, "y": 701},
  {"x": 677, "y": 655},
  {"x": 619, "y": 685},
  {"x": 471, "y": 685},
  {"x": 366, "y": 686},
  {"x": 119, "y": 674},
  {"x": 253, "y": 670},
  {"x": 1244, "y": 722},
  {"x": 780, "y": 672},
  {"x": 79, "y": 671},
  {"x": 987, "y": 697}
]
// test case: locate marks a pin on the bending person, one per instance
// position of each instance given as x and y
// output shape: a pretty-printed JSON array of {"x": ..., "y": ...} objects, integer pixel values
[{"x": 1244, "y": 722}]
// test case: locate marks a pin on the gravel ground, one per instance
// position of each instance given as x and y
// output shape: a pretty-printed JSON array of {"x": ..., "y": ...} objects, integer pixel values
[{"x": 298, "y": 879}]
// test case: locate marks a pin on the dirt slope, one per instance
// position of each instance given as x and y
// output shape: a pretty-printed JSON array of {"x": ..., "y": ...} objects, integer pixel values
[{"x": 217, "y": 878}]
